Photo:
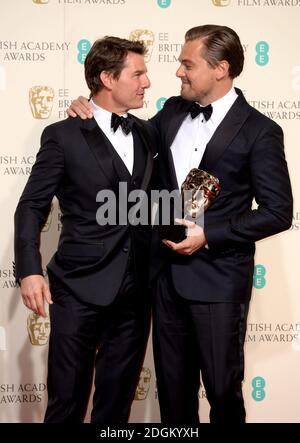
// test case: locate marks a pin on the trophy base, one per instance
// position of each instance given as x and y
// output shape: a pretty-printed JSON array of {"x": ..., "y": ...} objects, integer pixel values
[{"x": 174, "y": 233}]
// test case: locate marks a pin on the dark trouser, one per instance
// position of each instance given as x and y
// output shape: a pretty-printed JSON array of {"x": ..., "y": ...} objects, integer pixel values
[
  {"x": 192, "y": 337},
  {"x": 119, "y": 332}
]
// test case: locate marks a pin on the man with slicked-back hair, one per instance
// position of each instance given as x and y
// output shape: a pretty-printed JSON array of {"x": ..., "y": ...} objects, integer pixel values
[{"x": 202, "y": 284}]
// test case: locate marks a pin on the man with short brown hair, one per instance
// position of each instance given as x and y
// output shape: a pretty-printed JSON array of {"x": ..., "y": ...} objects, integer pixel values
[{"x": 99, "y": 299}]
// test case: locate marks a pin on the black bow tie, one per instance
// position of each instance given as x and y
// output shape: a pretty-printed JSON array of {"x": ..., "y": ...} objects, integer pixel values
[
  {"x": 125, "y": 123},
  {"x": 195, "y": 110}
]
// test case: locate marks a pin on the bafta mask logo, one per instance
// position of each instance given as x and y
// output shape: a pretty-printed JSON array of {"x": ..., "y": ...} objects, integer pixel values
[
  {"x": 221, "y": 2},
  {"x": 47, "y": 225},
  {"x": 40, "y": 2},
  {"x": 41, "y": 101},
  {"x": 144, "y": 384},
  {"x": 38, "y": 328},
  {"x": 147, "y": 37}
]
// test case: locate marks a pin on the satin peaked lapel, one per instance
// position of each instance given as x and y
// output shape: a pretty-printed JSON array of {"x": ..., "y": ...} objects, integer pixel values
[
  {"x": 171, "y": 166},
  {"x": 101, "y": 149},
  {"x": 225, "y": 132},
  {"x": 175, "y": 122},
  {"x": 149, "y": 161}
]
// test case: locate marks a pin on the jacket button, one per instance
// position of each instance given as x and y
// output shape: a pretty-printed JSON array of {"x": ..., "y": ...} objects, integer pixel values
[{"x": 125, "y": 249}]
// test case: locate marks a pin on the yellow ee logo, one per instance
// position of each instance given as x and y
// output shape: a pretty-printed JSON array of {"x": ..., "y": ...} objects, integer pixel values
[
  {"x": 83, "y": 47},
  {"x": 262, "y": 57},
  {"x": 259, "y": 280},
  {"x": 258, "y": 385}
]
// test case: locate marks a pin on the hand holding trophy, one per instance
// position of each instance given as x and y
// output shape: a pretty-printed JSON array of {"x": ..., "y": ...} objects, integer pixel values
[{"x": 198, "y": 191}]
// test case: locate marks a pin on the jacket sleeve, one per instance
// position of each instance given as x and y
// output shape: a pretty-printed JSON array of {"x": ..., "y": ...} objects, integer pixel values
[
  {"x": 34, "y": 205},
  {"x": 272, "y": 192}
]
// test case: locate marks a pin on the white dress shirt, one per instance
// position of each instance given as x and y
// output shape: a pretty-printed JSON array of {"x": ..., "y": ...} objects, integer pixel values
[
  {"x": 190, "y": 142},
  {"x": 121, "y": 142}
]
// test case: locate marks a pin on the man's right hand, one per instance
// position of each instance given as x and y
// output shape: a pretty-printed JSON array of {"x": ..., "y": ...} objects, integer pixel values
[
  {"x": 81, "y": 107},
  {"x": 34, "y": 291}
]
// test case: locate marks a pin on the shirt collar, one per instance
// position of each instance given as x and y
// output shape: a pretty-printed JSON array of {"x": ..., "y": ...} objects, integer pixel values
[
  {"x": 222, "y": 105},
  {"x": 102, "y": 116}
]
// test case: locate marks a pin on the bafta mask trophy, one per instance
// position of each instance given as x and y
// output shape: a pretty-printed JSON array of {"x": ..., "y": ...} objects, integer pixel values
[
  {"x": 198, "y": 191},
  {"x": 202, "y": 188}
]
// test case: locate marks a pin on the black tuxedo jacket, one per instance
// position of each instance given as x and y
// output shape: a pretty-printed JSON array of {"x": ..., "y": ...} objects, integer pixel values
[
  {"x": 75, "y": 162},
  {"x": 246, "y": 153}
]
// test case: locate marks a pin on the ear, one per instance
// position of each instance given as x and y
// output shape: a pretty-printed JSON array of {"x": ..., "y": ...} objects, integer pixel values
[
  {"x": 107, "y": 79},
  {"x": 222, "y": 70}
]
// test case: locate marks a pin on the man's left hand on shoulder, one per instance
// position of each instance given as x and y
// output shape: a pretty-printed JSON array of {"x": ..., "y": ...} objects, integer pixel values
[{"x": 194, "y": 241}]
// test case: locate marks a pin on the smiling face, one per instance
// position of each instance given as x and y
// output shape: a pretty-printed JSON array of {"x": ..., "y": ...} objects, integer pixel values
[
  {"x": 198, "y": 78},
  {"x": 128, "y": 90}
]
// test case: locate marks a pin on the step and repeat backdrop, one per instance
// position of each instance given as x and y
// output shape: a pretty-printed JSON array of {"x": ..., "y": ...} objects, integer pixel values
[{"x": 43, "y": 44}]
